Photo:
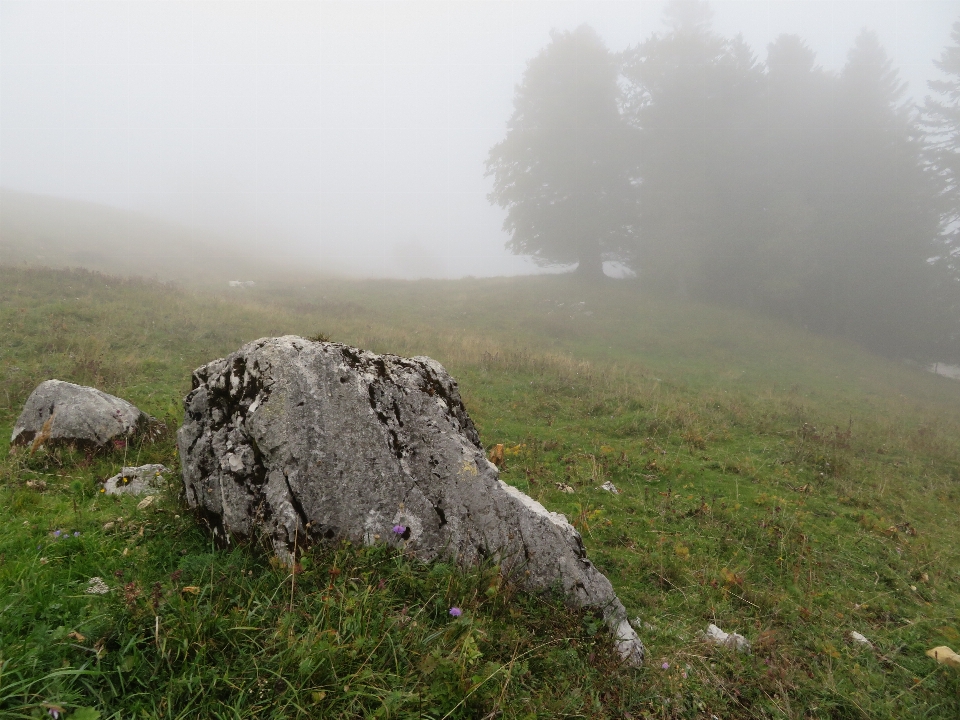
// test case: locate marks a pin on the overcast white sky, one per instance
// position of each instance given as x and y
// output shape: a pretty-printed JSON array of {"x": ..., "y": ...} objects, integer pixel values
[{"x": 350, "y": 135}]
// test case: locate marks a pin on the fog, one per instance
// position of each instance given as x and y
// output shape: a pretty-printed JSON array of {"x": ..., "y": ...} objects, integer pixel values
[{"x": 349, "y": 137}]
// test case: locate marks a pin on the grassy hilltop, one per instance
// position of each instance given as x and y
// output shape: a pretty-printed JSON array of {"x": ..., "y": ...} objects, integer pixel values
[{"x": 780, "y": 484}]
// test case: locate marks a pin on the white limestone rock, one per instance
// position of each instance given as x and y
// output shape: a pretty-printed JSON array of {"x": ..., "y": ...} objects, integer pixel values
[
  {"x": 62, "y": 413},
  {"x": 732, "y": 640},
  {"x": 306, "y": 441}
]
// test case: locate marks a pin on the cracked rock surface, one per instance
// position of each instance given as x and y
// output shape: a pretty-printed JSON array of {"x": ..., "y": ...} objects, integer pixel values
[
  {"x": 305, "y": 441},
  {"x": 59, "y": 412}
]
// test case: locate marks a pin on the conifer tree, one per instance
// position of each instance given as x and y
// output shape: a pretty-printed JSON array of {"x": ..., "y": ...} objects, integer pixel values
[
  {"x": 942, "y": 115},
  {"x": 691, "y": 96},
  {"x": 875, "y": 220}
]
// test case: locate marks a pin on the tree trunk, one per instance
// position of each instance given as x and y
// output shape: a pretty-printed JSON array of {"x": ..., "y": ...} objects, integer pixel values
[{"x": 591, "y": 263}]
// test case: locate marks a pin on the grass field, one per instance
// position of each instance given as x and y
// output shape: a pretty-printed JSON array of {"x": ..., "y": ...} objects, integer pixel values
[{"x": 787, "y": 486}]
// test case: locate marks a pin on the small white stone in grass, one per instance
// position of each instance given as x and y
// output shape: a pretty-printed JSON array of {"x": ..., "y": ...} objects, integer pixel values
[
  {"x": 96, "y": 586},
  {"x": 860, "y": 639},
  {"x": 732, "y": 640},
  {"x": 135, "y": 480},
  {"x": 610, "y": 487},
  {"x": 146, "y": 502},
  {"x": 563, "y": 487}
]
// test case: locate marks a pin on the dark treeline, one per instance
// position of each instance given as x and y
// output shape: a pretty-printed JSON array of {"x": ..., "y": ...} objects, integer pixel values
[{"x": 827, "y": 198}]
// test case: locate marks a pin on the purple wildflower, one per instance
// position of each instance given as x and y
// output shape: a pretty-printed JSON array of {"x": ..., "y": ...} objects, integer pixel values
[
  {"x": 54, "y": 713},
  {"x": 666, "y": 666},
  {"x": 56, "y": 533},
  {"x": 456, "y": 612},
  {"x": 76, "y": 533},
  {"x": 399, "y": 529}
]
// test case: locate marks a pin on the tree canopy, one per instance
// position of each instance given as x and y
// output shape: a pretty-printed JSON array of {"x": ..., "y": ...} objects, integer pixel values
[
  {"x": 824, "y": 197},
  {"x": 560, "y": 172},
  {"x": 690, "y": 92}
]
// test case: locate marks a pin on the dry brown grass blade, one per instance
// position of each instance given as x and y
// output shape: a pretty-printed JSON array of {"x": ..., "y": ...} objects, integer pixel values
[{"x": 44, "y": 434}]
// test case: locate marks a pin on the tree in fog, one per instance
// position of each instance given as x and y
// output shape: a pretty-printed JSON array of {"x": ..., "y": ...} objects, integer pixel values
[
  {"x": 875, "y": 217},
  {"x": 794, "y": 190},
  {"x": 795, "y": 143},
  {"x": 691, "y": 98},
  {"x": 781, "y": 187},
  {"x": 560, "y": 172},
  {"x": 943, "y": 126},
  {"x": 848, "y": 214}
]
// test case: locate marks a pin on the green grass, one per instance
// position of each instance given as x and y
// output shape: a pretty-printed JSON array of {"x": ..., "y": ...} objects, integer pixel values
[{"x": 777, "y": 483}]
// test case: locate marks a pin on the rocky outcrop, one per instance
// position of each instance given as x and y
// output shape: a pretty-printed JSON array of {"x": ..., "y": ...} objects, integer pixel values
[
  {"x": 304, "y": 441},
  {"x": 135, "y": 480},
  {"x": 62, "y": 413}
]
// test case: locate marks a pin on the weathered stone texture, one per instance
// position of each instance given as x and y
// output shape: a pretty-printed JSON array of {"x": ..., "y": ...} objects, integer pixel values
[
  {"x": 59, "y": 412},
  {"x": 135, "y": 480},
  {"x": 308, "y": 440}
]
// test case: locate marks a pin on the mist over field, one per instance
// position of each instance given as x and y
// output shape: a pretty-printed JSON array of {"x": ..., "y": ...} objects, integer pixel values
[
  {"x": 795, "y": 157},
  {"x": 349, "y": 137}
]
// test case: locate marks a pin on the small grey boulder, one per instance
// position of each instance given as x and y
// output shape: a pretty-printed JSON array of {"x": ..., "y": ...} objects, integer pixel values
[
  {"x": 304, "y": 441},
  {"x": 135, "y": 480},
  {"x": 62, "y": 413}
]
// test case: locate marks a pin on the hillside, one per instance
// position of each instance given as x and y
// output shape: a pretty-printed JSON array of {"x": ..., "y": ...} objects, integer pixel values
[
  {"x": 46, "y": 231},
  {"x": 776, "y": 483}
]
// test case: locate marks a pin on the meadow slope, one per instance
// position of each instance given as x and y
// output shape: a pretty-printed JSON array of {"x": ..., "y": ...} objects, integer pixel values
[{"x": 791, "y": 487}]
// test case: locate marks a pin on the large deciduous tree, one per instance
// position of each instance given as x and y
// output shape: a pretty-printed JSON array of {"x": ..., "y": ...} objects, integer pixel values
[{"x": 561, "y": 171}]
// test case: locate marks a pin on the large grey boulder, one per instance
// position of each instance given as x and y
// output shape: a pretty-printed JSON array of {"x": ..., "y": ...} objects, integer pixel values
[
  {"x": 59, "y": 412},
  {"x": 302, "y": 441}
]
